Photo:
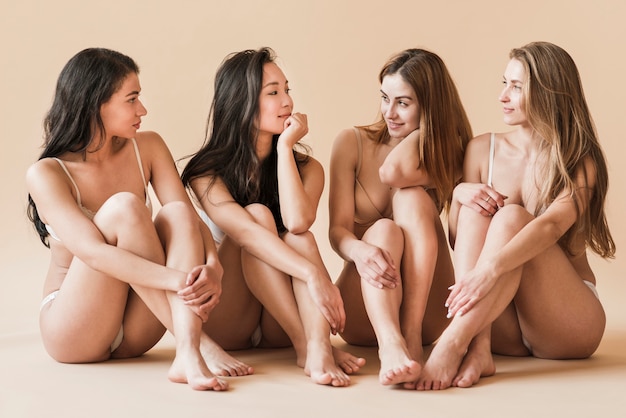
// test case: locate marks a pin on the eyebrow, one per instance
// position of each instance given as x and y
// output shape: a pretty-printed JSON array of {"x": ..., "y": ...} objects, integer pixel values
[
  {"x": 512, "y": 81},
  {"x": 132, "y": 93},
  {"x": 274, "y": 83},
  {"x": 399, "y": 97}
]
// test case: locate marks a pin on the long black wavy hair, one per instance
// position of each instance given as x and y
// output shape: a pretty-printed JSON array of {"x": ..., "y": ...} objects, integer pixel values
[
  {"x": 229, "y": 149},
  {"x": 87, "y": 81}
]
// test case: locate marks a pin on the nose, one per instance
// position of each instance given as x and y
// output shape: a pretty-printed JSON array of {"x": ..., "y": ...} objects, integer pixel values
[
  {"x": 389, "y": 111},
  {"x": 504, "y": 95},
  {"x": 287, "y": 101},
  {"x": 141, "y": 110}
]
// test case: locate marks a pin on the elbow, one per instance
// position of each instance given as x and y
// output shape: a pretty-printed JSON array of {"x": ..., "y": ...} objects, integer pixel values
[
  {"x": 390, "y": 175},
  {"x": 300, "y": 225}
]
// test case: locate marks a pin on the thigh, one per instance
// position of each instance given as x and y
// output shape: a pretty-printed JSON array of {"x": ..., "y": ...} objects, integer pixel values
[
  {"x": 271, "y": 333},
  {"x": 85, "y": 298},
  {"x": 559, "y": 315},
  {"x": 435, "y": 320},
  {"x": 141, "y": 328},
  {"x": 238, "y": 314}
]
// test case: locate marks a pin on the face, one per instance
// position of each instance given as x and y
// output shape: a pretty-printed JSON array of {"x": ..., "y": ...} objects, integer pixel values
[
  {"x": 399, "y": 106},
  {"x": 512, "y": 97},
  {"x": 121, "y": 114},
  {"x": 275, "y": 104}
]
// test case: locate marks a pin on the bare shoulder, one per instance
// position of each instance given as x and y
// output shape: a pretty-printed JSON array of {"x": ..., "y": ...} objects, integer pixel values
[
  {"x": 151, "y": 145},
  {"x": 312, "y": 167},
  {"x": 345, "y": 146},
  {"x": 480, "y": 143},
  {"x": 42, "y": 170},
  {"x": 149, "y": 139}
]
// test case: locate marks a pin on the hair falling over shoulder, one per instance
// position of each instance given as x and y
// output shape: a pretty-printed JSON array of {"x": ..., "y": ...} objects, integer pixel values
[
  {"x": 557, "y": 110},
  {"x": 229, "y": 150},
  {"x": 85, "y": 83},
  {"x": 444, "y": 126}
]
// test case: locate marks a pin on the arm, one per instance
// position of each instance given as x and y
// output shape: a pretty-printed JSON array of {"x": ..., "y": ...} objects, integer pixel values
[
  {"x": 534, "y": 238},
  {"x": 299, "y": 192},
  {"x": 51, "y": 191},
  {"x": 204, "y": 281},
  {"x": 374, "y": 264},
  {"x": 473, "y": 192},
  {"x": 241, "y": 227},
  {"x": 402, "y": 167}
]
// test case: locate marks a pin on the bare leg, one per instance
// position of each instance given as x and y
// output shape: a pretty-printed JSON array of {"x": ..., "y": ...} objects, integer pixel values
[
  {"x": 445, "y": 361},
  {"x": 358, "y": 329},
  {"x": 179, "y": 232},
  {"x": 323, "y": 360},
  {"x": 427, "y": 269},
  {"x": 89, "y": 297},
  {"x": 285, "y": 298},
  {"x": 383, "y": 310}
]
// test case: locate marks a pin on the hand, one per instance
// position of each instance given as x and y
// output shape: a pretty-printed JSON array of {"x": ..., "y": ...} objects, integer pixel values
[
  {"x": 480, "y": 197},
  {"x": 296, "y": 127},
  {"x": 327, "y": 298},
  {"x": 203, "y": 290},
  {"x": 469, "y": 290},
  {"x": 375, "y": 266}
]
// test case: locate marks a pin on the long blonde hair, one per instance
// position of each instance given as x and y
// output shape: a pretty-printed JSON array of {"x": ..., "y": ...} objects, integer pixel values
[
  {"x": 557, "y": 111},
  {"x": 444, "y": 127}
]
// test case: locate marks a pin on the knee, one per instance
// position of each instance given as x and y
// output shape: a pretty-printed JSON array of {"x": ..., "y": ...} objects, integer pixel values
[
  {"x": 511, "y": 219},
  {"x": 178, "y": 214},
  {"x": 383, "y": 228},
  {"x": 412, "y": 204},
  {"x": 122, "y": 210},
  {"x": 262, "y": 215}
]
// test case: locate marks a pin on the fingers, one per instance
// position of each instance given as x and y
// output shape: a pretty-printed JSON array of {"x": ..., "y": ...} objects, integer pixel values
[{"x": 379, "y": 270}]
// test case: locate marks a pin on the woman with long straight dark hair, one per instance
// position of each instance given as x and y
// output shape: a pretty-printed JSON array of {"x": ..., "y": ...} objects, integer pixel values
[
  {"x": 259, "y": 192},
  {"x": 116, "y": 275}
]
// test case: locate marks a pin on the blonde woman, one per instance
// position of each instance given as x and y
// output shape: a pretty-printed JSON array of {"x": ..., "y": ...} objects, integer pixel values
[
  {"x": 389, "y": 182},
  {"x": 531, "y": 203}
]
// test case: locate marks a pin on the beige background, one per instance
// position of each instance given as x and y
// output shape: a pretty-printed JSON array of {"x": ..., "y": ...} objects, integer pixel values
[{"x": 331, "y": 52}]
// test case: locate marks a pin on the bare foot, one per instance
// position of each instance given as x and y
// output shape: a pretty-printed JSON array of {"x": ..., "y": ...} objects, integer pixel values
[
  {"x": 321, "y": 366},
  {"x": 396, "y": 366},
  {"x": 189, "y": 367},
  {"x": 349, "y": 363},
  {"x": 220, "y": 362},
  {"x": 440, "y": 369},
  {"x": 476, "y": 364}
]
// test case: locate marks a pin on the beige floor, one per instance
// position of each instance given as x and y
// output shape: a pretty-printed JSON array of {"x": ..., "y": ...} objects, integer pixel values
[{"x": 33, "y": 385}]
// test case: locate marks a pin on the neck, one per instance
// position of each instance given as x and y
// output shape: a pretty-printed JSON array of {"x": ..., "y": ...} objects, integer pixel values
[
  {"x": 264, "y": 145},
  {"x": 99, "y": 151}
]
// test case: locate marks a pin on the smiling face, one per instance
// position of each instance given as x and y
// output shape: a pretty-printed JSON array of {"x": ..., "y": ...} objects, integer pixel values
[
  {"x": 275, "y": 104},
  {"x": 399, "y": 106},
  {"x": 121, "y": 114},
  {"x": 512, "y": 95}
]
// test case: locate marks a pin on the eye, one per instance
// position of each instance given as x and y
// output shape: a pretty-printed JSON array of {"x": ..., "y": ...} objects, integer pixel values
[
  {"x": 287, "y": 90},
  {"x": 385, "y": 98}
]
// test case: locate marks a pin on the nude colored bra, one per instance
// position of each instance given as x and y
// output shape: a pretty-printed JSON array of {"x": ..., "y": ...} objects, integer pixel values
[
  {"x": 365, "y": 212},
  {"x": 88, "y": 213}
]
